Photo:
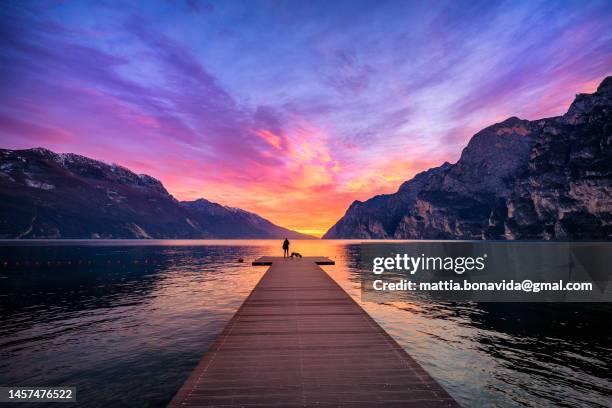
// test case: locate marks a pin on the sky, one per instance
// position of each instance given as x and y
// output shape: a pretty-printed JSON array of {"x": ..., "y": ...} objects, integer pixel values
[{"x": 290, "y": 109}]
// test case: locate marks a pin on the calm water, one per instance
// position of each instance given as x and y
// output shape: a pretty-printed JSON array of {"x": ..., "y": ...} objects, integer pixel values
[{"x": 126, "y": 321}]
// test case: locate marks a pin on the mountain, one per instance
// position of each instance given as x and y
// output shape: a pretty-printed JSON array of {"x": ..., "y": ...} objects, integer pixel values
[
  {"x": 518, "y": 179},
  {"x": 49, "y": 195},
  {"x": 229, "y": 222}
]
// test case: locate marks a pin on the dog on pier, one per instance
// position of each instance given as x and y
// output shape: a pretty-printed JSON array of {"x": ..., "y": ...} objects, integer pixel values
[{"x": 295, "y": 255}]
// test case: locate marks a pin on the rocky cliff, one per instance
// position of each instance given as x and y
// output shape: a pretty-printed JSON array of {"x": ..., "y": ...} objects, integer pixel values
[
  {"x": 518, "y": 179},
  {"x": 48, "y": 195}
]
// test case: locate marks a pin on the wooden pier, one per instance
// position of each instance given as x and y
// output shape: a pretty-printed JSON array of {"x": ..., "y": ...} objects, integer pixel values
[{"x": 299, "y": 340}]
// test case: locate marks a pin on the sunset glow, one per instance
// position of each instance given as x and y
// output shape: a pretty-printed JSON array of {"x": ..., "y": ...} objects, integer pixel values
[{"x": 291, "y": 110}]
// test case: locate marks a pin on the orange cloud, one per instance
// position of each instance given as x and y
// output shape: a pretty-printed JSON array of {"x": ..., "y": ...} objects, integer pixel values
[
  {"x": 311, "y": 191},
  {"x": 270, "y": 138}
]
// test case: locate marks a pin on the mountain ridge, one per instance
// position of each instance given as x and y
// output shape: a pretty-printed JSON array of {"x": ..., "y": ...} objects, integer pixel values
[
  {"x": 549, "y": 178},
  {"x": 65, "y": 195}
]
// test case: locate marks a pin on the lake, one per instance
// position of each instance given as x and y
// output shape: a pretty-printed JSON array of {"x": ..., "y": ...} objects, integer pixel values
[{"x": 126, "y": 322}]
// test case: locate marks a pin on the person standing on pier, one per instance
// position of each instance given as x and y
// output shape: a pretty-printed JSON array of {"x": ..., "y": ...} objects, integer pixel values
[{"x": 286, "y": 248}]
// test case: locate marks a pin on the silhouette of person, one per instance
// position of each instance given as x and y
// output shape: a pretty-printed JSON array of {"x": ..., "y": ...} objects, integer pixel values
[{"x": 286, "y": 248}]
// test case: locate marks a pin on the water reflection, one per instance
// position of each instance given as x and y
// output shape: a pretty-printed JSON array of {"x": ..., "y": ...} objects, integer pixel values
[
  {"x": 126, "y": 323},
  {"x": 502, "y": 354}
]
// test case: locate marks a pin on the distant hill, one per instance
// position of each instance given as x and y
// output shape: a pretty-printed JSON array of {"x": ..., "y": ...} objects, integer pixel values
[
  {"x": 518, "y": 179},
  {"x": 229, "y": 222},
  {"x": 49, "y": 195}
]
